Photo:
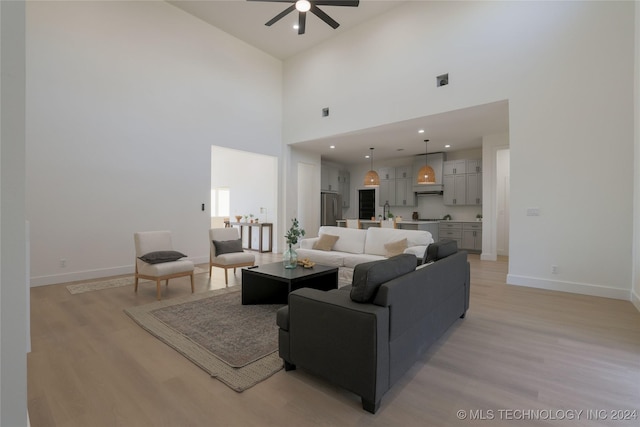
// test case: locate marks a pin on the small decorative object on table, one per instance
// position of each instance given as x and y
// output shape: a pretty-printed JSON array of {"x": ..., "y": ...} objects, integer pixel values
[
  {"x": 479, "y": 217},
  {"x": 238, "y": 218},
  {"x": 447, "y": 217},
  {"x": 290, "y": 257},
  {"x": 306, "y": 263}
]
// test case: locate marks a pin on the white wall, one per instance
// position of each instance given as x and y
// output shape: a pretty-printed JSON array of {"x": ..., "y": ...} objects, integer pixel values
[
  {"x": 124, "y": 101},
  {"x": 13, "y": 299},
  {"x": 635, "y": 295},
  {"x": 570, "y": 108}
]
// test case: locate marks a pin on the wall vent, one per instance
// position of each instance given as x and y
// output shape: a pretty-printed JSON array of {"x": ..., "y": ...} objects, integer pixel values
[{"x": 442, "y": 80}]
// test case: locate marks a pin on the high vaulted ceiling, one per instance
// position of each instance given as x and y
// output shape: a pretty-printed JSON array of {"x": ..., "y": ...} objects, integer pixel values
[
  {"x": 245, "y": 20},
  {"x": 461, "y": 129}
]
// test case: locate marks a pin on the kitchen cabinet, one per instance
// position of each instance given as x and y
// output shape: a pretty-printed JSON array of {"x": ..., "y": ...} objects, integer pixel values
[
  {"x": 472, "y": 236},
  {"x": 468, "y": 235},
  {"x": 462, "y": 182},
  {"x": 450, "y": 230},
  {"x": 396, "y": 186},
  {"x": 455, "y": 189},
  {"x": 344, "y": 182},
  {"x": 474, "y": 189},
  {"x": 329, "y": 178},
  {"x": 454, "y": 167}
]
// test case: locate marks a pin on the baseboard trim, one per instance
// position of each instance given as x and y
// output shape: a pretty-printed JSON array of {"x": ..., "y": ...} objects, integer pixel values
[
  {"x": 635, "y": 299},
  {"x": 100, "y": 273},
  {"x": 572, "y": 287}
]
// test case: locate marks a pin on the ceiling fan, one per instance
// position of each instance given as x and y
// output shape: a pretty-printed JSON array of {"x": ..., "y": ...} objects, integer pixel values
[{"x": 304, "y": 6}]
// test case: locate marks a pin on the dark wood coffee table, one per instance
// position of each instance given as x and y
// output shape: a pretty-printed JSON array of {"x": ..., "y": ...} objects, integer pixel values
[{"x": 271, "y": 283}]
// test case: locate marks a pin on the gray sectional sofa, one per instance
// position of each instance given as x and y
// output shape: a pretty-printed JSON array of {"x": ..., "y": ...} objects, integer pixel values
[{"x": 364, "y": 337}]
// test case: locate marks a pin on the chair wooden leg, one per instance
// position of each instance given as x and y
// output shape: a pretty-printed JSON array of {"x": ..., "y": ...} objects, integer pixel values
[
  {"x": 210, "y": 269},
  {"x": 226, "y": 281},
  {"x": 135, "y": 284},
  {"x": 158, "y": 290},
  {"x": 191, "y": 282}
]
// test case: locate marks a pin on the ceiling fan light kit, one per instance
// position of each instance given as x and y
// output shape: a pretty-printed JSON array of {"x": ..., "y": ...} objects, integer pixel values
[{"x": 304, "y": 6}]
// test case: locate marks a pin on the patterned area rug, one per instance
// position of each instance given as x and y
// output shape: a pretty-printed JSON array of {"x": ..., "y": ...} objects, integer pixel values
[
  {"x": 98, "y": 285},
  {"x": 235, "y": 343}
]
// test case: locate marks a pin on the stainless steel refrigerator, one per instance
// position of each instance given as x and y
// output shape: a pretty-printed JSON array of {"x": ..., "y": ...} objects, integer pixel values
[{"x": 331, "y": 208}]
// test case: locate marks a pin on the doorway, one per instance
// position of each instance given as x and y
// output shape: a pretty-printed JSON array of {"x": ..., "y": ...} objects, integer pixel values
[{"x": 366, "y": 204}]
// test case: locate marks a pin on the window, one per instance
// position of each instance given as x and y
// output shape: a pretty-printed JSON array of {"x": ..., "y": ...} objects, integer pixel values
[{"x": 220, "y": 201}]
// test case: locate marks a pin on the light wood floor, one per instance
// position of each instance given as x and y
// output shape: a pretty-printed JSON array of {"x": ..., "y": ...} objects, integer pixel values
[{"x": 518, "y": 349}]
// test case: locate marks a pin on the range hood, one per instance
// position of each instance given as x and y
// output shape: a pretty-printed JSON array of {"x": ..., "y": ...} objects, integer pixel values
[
  {"x": 436, "y": 161},
  {"x": 426, "y": 189}
]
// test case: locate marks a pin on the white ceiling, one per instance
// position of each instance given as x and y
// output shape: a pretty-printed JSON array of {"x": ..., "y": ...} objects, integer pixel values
[
  {"x": 245, "y": 20},
  {"x": 462, "y": 129}
]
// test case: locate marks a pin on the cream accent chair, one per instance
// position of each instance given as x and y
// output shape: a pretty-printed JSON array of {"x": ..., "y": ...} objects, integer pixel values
[
  {"x": 153, "y": 241},
  {"x": 353, "y": 223},
  {"x": 227, "y": 260}
]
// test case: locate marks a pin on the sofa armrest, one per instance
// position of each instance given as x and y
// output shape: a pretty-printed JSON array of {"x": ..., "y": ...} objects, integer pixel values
[
  {"x": 308, "y": 243},
  {"x": 343, "y": 341}
]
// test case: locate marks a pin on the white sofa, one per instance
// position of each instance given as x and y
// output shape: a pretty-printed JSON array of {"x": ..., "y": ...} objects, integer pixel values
[{"x": 355, "y": 246}]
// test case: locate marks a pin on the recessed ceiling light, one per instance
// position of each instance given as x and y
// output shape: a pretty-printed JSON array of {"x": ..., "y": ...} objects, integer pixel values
[
  {"x": 295, "y": 26},
  {"x": 421, "y": 131},
  {"x": 332, "y": 146},
  {"x": 447, "y": 146},
  {"x": 366, "y": 157}
]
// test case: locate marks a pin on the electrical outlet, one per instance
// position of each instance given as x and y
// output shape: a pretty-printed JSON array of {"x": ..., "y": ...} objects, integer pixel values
[
  {"x": 554, "y": 269},
  {"x": 63, "y": 263}
]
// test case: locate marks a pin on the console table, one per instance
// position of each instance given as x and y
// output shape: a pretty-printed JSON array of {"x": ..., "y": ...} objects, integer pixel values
[{"x": 261, "y": 226}]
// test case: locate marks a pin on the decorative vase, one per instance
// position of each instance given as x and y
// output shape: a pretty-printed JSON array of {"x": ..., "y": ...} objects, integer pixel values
[{"x": 290, "y": 258}]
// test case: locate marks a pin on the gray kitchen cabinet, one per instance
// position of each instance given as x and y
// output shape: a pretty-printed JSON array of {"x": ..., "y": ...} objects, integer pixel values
[
  {"x": 455, "y": 189},
  {"x": 344, "y": 183},
  {"x": 472, "y": 236},
  {"x": 450, "y": 230},
  {"x": 329, "y": 178},
  {"x": 462, "y": 182},
  {"x": 454, "y": 167},
  {"x": 474, "y": 188},
  {"x": 396, "y": 186}
]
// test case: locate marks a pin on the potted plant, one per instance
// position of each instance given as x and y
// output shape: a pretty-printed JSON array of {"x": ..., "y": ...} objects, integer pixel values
[
  {"x": 479, "y": 217},
  {"x": 251, "y": 216},
  {"x": 246, "y": 217},
  {"x": 290, "y": 257},
  {"x": 447, "y": 217},
  {"x": 390, "y": 216}
]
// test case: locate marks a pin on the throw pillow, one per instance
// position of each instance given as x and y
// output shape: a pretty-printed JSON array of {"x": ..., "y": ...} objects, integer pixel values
[
  {"x": 325, "y": 242},
  {"x": 439, "y": 250},
  {"x": 227, "y": 246},
  {"x": 158, "y": 257},
  {"x": 368, "y": 276},
  {"x": 395, "y": 248}
]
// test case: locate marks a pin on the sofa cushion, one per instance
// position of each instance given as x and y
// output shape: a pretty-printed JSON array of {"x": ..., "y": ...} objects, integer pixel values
[
  {"x": 351, "y": 260},
  {"x": 351, "y": 240},
  {"x": 330, "y": 258},
  {"x": 439, "y": 250},
  {"x": 325, "y": 242},
  {"x": 368, "y": 277},
  {"x": 395, "y": 248},
  {"x": 378, "y": 237}
]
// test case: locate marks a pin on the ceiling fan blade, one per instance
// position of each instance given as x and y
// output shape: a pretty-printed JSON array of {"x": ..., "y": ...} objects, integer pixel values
[
  {"x": 326, "y": 18},
  {"x": 351, "y": 3},
  {"x": 275, "y": 1},
  {"x": 302, "y": 21},
  {"x": 281, "y": 15}
]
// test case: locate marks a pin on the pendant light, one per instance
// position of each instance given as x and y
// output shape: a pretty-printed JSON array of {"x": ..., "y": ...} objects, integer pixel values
[
  {"x": 426, "y": 175},
  {"x": 371, "y": 179}
]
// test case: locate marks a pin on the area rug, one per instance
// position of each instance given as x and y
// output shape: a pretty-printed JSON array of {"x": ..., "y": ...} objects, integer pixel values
[
  {"x": 98, "y": 285},
  {"x": 235, "y": 343}
]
